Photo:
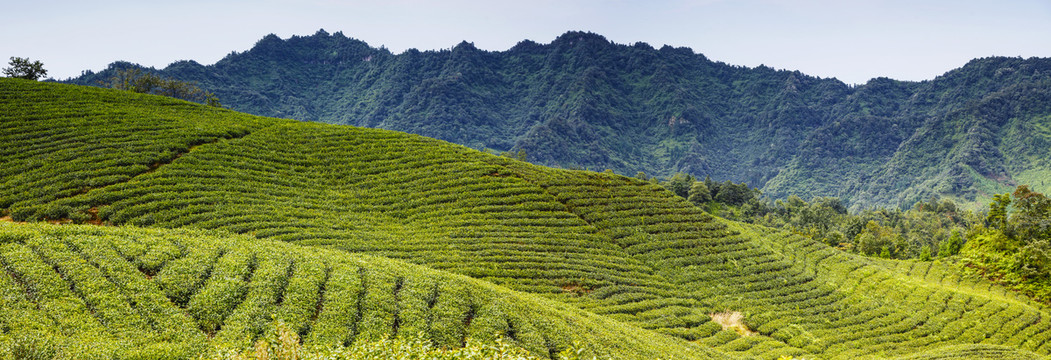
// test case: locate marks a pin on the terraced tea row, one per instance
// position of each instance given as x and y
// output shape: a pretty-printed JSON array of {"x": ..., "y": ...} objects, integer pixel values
[
  {"x": 91, "y": 292},
  {"x": 64, "y": 140},
  {"x": 803, "y": 297},
  {"x": 436, "y": 209},
  {"x": 423, "y": 201}
]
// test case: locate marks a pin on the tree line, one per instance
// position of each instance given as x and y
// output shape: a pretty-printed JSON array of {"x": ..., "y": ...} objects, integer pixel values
[
  {"x": 1010, "y": 243},
  {"x": 130, "y": 79},
  {"x": 136, "y": 80},
  {"x": 930, "y": 229},
  {"x": 1013, "y": 244}
]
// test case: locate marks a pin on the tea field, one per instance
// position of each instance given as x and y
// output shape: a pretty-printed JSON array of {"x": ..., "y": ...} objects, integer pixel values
[
  {"x": 89, "y": 292},
  {"x": 202, "y": 229}
]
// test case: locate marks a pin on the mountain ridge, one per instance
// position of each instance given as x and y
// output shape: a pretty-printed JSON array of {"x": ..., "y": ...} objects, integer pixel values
[{"x": 583, "y": 101}]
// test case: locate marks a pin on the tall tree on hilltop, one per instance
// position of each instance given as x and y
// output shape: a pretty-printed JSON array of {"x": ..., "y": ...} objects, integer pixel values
[{"x": 22, "y": 68}]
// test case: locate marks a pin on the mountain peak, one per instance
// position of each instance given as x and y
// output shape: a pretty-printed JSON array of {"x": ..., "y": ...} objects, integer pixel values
[
  {"x": 584, "y": 100},
  {"x": 465, "y": 46},
  {"x": 573, "y": 37}
]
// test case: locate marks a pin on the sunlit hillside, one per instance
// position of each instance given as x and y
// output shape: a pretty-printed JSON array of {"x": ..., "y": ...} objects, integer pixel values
[{"x": 203, "y": 227}]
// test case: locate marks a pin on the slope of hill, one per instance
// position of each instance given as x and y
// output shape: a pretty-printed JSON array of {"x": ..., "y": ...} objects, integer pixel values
[
  {"x": 584, "y": 101},
  {"x": 620, "y": 251},
  {"x": 88, "y": 292}
]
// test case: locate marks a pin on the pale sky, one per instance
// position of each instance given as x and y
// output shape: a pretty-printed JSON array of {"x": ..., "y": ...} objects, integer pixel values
[{"x": 852, "y": 40}]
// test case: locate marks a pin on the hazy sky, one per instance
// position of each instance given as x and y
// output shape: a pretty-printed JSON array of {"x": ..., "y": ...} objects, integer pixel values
[{"x": 852, "y": 40}]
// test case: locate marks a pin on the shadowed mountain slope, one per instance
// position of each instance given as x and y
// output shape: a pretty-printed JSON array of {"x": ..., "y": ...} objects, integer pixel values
[{"x": 582, "y": 101}]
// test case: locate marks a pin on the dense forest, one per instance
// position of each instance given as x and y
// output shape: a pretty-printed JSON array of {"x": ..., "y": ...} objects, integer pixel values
[{"x": 583, "y": 101}]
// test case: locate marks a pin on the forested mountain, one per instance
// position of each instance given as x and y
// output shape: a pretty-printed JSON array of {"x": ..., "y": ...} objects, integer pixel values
[{"x": 583, "y": 101}]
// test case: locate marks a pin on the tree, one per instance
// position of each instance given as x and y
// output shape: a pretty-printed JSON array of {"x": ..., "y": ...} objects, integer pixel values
[
  {"x": 680, "y": 184},
  {"x": 136, "y": 80},
  {"x": 713, "y": 186},
  {"x": 833, "y": 204},
  {"x": 876, "y": 239},
  {"x": 212, "y": 100},
  {"x": 699, "y": 193},
  {"x": 22, "y": 68},
  {"x": 885, "y": 253},
  {"x": 734, "y": 194},
  {"x": 122, "y": 79},
  {"x": 1014, "y": 248},
  {"x": 951, "y": 246},
  {"x": 997, "y": 218},
  {"x": 1032, "y": 221}
]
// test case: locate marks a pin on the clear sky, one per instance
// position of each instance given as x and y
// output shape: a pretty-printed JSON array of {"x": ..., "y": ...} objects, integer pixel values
[{"x": 852, "y": 40}]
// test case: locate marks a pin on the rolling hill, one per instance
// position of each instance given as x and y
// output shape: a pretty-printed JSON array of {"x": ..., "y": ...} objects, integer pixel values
[
  {"x": 583, "y": 101},
  {"x": 202, "y": 227},
  {"x": 87, "y": 292}
]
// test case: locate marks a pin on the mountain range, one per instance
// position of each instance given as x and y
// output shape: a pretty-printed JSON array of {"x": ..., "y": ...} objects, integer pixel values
[{"x": 582, "y": 101}]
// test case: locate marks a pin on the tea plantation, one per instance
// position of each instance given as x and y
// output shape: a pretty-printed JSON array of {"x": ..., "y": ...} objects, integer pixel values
[
  {"x": 205, "y": 228},
  {"x": 88, "y": 292}
]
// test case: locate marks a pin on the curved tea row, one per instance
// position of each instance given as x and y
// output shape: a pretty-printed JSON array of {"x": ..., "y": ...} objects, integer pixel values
[
  {"x": 802, "y": 297},
  {"x": 102, "y": 292},
  {"x": 626, "y": 251}
]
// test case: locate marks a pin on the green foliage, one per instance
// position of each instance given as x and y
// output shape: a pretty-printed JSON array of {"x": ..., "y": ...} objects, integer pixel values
[
  {"x": 997, "y": 217},
  {"x": 77, "y": 139},
  {"x": 876, "y": 239},
  {"x": 22, "y": 68},
  {"x": 699, "y": 193},
  {"x": 680, "y": 184},
  {"x": 136, "y": 80},
  {"x": 935, "y": 224},
  {"x": 1033, "y": 218},
  {"x": 583, "y": 101},
  {"x": 1015, "y": 246},
  {"x": 520, "y": 155},
  {"x": 925, "y": 253},
  {"x": 735, "y": 194},
  {"x": 952, "y": 245},
  {"x": 285, "y": 345},
  {"x": 973, "y": 351},
  {"x": 257, "y": 222},
  {"x": 67, "y": 286}
]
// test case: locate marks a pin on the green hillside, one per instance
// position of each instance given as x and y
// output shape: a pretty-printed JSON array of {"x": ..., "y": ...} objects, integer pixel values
[
  {"x": 89, "y": 292},
  {"x": 250, "y": 217},
  {"x": 583, "y": 101}
]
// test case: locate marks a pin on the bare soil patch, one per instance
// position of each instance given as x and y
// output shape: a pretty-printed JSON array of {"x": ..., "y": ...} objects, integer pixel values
[{"x": 733, "y": 320}]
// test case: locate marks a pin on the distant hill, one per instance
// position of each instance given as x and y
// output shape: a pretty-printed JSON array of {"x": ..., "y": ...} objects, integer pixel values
[
  {"x": 617, "y": 264},
  {"x": 582, "y": 101}
]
